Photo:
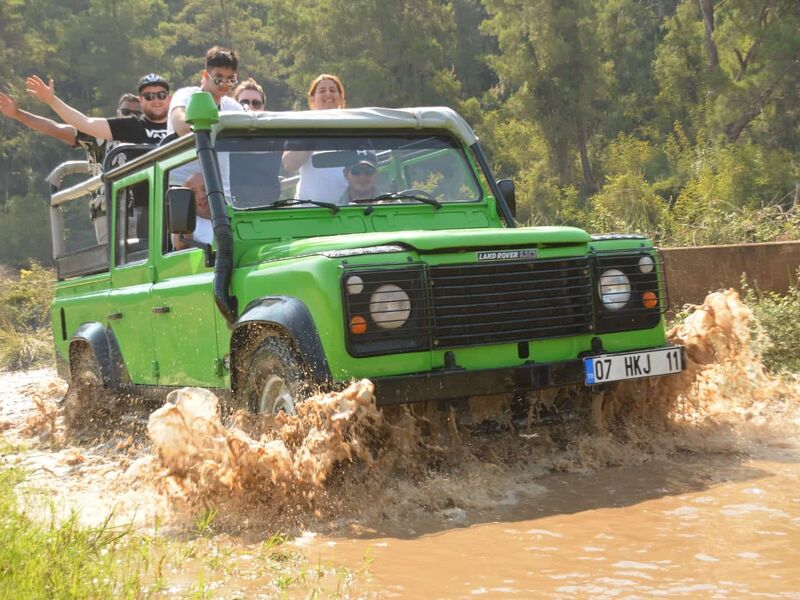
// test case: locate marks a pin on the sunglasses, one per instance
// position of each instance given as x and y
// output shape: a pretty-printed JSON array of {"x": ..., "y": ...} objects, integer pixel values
[
  {"x": 253, "y": 103},
  {"x": 162, "y": 95},
  {"x": 220, "y": 81},
  {"x": 362, "y": 170},
  {"x": 128, "y": 112}
]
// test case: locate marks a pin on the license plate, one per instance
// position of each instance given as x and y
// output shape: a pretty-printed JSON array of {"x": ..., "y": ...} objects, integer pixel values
[{"x": 633, "y": 365}]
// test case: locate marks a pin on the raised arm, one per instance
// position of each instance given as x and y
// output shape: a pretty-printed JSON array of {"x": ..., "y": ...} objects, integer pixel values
[
  {"x": 178, "y": 117},
  {"x": 294, "y": 159},
  {"x": 60, "y": 131},
  {"x": 44, "y": 92}
]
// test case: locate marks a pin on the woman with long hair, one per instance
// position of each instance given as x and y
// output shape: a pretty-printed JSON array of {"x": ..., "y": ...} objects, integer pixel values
[{"x": 325, "y": 92}]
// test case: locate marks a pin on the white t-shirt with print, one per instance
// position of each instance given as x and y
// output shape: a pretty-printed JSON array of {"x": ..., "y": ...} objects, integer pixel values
[{"x": 181, "y": 98}]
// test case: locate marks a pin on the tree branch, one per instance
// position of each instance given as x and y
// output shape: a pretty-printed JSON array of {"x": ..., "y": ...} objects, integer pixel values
[
  {"x": 707, "y": 8},
  {"x": 735, "y": 128}
]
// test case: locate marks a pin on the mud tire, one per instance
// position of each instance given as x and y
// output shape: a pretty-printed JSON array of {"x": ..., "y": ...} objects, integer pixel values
[
  {"x": 86, "y": 402},
  {"x": 276, "y": 378}
]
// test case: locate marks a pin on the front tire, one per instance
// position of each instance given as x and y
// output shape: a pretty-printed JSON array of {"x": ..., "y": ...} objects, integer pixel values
[
  {"x": 85, "y": 400},
  {"x": 276, "y": 378}
]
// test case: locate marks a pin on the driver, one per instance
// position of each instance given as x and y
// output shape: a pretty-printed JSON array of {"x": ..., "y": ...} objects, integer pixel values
[
  {"x": 361, "y": 178},
  {"x": 203, "y": 230}
]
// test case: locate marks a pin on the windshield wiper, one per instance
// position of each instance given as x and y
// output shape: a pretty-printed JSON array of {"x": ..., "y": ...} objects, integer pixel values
[
  {"x": 404, "y": 196},
  {"x": 295, "y": 201}
]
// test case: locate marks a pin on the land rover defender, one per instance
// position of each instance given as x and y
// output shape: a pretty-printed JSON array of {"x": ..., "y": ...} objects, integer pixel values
[{"x": 427, "y": 286}]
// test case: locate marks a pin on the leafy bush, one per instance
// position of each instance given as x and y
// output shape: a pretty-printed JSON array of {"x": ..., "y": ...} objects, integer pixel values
[
  {"x": 779, "y": 317},
  {"x": 25, "y": 340},
  {"x": 698, "y": 225},
  {"x": 627, "y": 203},
  {"x": 24, "y": 230}
]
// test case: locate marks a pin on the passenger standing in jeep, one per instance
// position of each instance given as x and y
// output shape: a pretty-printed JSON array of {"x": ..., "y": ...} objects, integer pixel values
[
  {"x": 148, "y": 129},
  {"x": 218, "y": 79}
]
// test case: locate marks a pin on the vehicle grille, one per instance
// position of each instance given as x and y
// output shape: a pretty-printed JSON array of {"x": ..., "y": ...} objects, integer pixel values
[{"x": 510, "y": 302}]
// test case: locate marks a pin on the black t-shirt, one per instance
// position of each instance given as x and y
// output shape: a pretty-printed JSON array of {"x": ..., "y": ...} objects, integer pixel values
[{"x": 136, "y": 130}]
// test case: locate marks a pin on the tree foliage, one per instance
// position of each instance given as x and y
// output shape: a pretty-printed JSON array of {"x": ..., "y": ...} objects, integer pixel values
[{"x": 678, "y": 118}]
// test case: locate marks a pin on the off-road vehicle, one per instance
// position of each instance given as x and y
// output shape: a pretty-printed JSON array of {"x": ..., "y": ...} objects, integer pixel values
[{"x": 428, "y": 287}]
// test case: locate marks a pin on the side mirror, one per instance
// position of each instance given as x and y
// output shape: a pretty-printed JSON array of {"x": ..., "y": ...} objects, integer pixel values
[
  {"x": 181, "y": 210},
  {"x": 509, "y": 195}
]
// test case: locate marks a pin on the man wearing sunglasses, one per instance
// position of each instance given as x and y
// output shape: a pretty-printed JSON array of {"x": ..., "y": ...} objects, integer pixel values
[
  {"x": 149, "y": 127},
  {"x": 95, "y": 149},
  {"x": 361, "y": 177},
  {"x": 218, "y": 78},
  {"x": 128, "y": 105}
]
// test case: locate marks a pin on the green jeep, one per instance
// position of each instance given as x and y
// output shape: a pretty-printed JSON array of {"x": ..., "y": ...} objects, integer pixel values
[{"x": 426, "y": 286}]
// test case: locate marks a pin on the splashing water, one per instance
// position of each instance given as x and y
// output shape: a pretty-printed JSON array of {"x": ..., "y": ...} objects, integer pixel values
[
  {"x": 340, "y": 450},
  {"x": 342, "y": 458},
  {"x": 718, "y": 445},
  {"x": 277, "y": 460},
  {"x": 725, "y": 400}
]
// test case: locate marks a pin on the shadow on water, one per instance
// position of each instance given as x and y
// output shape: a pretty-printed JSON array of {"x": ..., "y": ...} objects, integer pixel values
[{"x": 571, "y": 493}]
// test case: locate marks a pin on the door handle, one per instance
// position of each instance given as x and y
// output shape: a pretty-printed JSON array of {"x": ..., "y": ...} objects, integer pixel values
[
  {"x": 160, "y": 309},
  {"x": 115, "y": 316}
]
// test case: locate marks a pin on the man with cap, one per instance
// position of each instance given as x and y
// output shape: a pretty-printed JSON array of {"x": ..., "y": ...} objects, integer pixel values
[
  {"x": 96, "y": 149},
  {"x": 360, "y": 176},
  {"x": 147, "y": 129}
]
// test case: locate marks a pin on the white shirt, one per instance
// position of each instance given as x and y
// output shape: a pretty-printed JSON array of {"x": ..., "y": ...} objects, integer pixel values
[
  {"x": 181, "y": 98},
  {"x": 322, "y": 185},
  {"x": 203, "y": 231}
]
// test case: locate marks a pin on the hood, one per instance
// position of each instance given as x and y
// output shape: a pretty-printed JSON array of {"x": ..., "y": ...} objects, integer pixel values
[{"x": 428, "y": 241}]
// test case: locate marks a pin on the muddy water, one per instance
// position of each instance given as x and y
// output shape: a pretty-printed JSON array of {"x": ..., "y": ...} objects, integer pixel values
[
  {"x": 687, "y": 486},
  {"x": 707, "y": 526}
]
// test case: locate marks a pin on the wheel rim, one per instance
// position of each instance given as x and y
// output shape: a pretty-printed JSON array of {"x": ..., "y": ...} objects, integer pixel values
[{"x": 276, "y": 397}]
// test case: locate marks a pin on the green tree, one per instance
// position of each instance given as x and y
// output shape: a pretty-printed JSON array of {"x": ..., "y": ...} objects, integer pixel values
[
  {"x": 387, "y": 52},
  {"x": 550, "y": 58},
  {"x": 725, "y": 65},
  {"x": 254, "y": 29},
  {"x": 472, "y": 48}
]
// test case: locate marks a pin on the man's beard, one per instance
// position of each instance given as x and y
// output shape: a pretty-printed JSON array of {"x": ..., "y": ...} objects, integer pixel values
[{"x": 155, "y": 115}]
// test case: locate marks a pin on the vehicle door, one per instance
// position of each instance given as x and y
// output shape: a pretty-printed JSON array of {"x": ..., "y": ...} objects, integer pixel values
[
  {"x": 132, "y": 274},
  {"x": 185, "y": 318}
]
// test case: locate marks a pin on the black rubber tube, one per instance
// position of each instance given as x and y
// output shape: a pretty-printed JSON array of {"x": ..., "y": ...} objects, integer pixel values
[
  {"x": 501, "y": 201},
  {"x": 223, "y": 265}
]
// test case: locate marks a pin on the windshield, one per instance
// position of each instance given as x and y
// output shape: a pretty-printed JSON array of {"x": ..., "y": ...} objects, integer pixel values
[{"x": 345, "y": 170}]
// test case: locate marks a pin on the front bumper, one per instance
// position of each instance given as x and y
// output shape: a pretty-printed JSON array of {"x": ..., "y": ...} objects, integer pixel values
[{"x": 456, "y": 383}]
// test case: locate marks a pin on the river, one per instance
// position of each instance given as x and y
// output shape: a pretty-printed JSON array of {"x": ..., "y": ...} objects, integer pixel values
[{"x": 690, "y": 486}]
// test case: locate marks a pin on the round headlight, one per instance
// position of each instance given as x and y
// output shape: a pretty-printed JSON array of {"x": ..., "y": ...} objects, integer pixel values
[
  {"x": 646, "y": 264},
  {"x": 355, "y": 285},
  {"x": 614, "y": 288},
  {"x": 389, "y": 306}
]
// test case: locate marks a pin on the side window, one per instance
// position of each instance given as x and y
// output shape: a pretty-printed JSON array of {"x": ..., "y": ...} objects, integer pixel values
[
  {"x": 176, "y": 177},
  {"x": 132, "y": 222}
]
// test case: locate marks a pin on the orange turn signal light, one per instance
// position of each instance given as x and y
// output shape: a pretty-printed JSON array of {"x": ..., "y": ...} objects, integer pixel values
[
  {"x": 649, "y": 300},
  {"x": 358, "y": 325}
]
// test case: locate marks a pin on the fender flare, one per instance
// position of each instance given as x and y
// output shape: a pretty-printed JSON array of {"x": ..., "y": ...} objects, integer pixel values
[
  {"x": 292, "y": 316},
  {"x": 103, "y": 344}
]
